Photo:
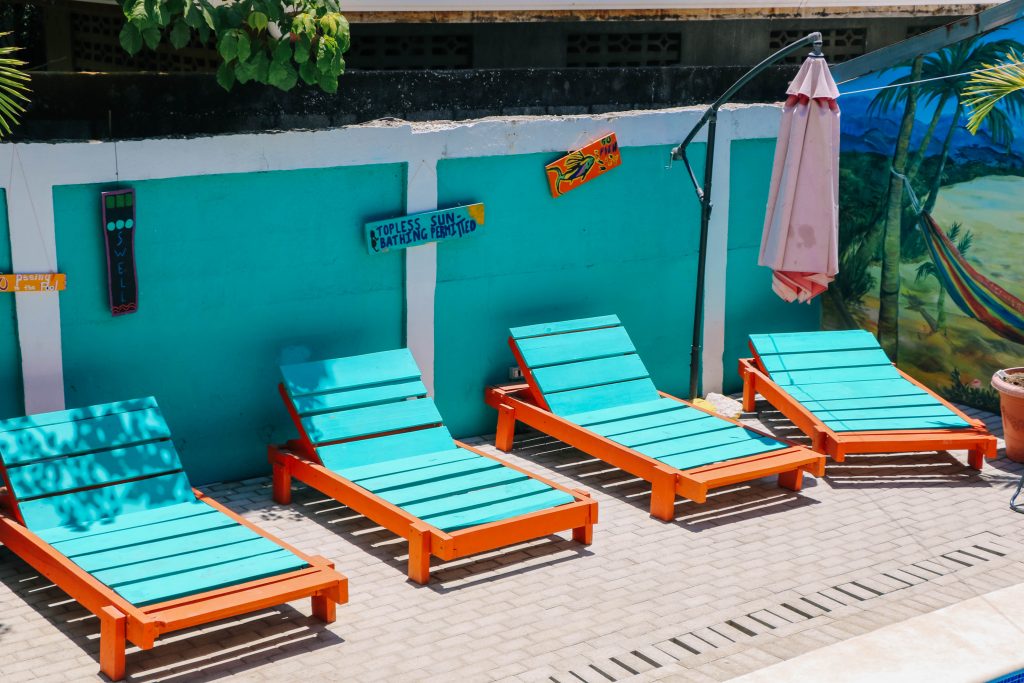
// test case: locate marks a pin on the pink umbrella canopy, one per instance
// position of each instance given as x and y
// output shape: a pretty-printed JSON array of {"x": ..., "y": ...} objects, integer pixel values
[{"x": 801, "y": 226}]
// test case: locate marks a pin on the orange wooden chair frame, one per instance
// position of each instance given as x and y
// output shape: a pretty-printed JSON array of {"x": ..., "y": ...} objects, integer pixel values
[
  {"x": 837, "y": 445},
  {"x": 522, "y": 403},
  {"x": 122, "y": 622},
  {"x": 298, "y": 459}
]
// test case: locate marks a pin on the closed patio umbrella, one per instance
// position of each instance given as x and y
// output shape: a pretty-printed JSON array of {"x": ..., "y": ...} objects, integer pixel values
[{"x": 800, "y": 239}]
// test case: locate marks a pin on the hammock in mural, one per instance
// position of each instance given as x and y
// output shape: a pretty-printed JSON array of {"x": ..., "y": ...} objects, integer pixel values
[{"x": 973, "y": 293}]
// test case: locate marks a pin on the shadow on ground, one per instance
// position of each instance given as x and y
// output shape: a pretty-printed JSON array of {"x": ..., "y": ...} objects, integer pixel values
[{"x": 203, "y": 653}]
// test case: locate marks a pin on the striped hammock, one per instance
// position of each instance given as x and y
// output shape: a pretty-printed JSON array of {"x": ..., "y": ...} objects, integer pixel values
[{"x": 973, "y": 293}]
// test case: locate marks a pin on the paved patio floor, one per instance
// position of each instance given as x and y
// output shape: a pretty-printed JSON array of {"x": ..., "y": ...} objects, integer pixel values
[{"x": 755, "y": 576}]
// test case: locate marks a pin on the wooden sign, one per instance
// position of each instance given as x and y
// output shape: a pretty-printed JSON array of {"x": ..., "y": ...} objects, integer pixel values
[
  {"x": 33, "y": 282},
  {"x": 583, "y": 165},
  {"x": 119, "y": 237},
  {"x": 420, "y": 228}
]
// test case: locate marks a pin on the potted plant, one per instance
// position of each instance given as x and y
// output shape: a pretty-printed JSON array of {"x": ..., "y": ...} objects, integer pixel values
[{"x": 1010, "y": 385}]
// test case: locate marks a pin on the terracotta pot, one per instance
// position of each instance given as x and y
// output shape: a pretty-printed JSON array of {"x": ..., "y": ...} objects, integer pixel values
[{"x": 1011, "y": 405}]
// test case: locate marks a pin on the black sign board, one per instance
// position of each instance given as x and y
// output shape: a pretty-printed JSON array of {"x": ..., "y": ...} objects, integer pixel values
[{"x": 119, "y": 237}]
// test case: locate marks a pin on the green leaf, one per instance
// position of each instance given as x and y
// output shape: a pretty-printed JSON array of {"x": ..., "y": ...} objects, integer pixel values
[
  {"x": 137, "y": 13},
  {"x": 328, "y": 83},
  {"x": 180, "y": 34},
  {"x": 344, "y": 35},
  {"x": 258, "y": 20},
  {"x": 151, "y": 36},
  {"x": 325, "y": 52},
  {"x": 302, "y": 47},
  {"x": 192, "y": 15},
  {"x": 207, "y": 11},
  {"x": 282, "y": 75},
  {"x": 226, "y": 76},
  {"x": 244, "y": 45},
  {"x": 227, "y": 46},
  {"x": 245, "y": 71},
  {"x": 309, "y": 73},
  {"x": 131, "y": 39},
  {"x": 283, "y": 51},
  {"x": 262, "y": 67},
  {"x": 204, "y": 33},
  {"x": 329, "y": 24}
]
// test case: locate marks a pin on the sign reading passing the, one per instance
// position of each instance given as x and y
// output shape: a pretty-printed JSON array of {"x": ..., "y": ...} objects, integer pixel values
[
  {"x": 420, "y": 228},
  {"x": 32, "y": 282},
  {"x": 583, "y": 165},
  {"x": 119, "y": 237}
]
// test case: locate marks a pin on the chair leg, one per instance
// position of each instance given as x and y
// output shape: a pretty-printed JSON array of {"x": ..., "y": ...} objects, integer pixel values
[
  {"x": 792, "y": 480},
  {"x": 583, "y": 534},
  {"x": 506, "y": 428},
  {"x": 976, "y": 456},
  {"x": 113, "y": 629},
  {"x": 419, "y": 556},
  {"x": 325, "y": 607},
  {"x": 749, "y": 402},
  {"x": 663, "y": 500},
  {"x": 282, "y": 483}
]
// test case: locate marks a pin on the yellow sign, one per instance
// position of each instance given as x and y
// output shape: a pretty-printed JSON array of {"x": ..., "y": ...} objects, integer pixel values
[{"x": 33, "y": 282}]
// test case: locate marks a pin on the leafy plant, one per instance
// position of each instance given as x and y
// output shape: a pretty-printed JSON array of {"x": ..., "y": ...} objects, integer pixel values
[
  {"x": 276, "y": 42},
  {"x": 974, "y": 394},
  {"x": 13, "y": 88}
]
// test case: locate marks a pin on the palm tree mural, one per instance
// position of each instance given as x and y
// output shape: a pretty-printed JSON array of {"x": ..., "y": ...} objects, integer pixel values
[
  {"x": 927, "y": 269},
  {"x": 1002, "y": 83}
]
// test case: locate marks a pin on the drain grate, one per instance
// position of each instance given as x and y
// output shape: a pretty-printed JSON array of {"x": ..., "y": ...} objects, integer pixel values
[{"x": 981, "y": 549}]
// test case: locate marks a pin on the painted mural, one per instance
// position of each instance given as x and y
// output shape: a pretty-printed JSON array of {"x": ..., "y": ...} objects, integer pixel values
[{"x": 932, "y": 215}]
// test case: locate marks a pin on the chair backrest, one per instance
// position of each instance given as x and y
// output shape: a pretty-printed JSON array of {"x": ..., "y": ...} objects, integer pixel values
[
  {"x": 73, "y": 468},
  {"x": 792, "y": 358},
  {"x": 341, "y": 402},
  {"x": 577, "y": 366}
]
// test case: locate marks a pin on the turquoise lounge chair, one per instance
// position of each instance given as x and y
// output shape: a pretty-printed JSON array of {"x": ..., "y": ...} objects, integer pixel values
[
  {"x": 840, "y": 389},
  {"x": 96, "y": 500},
  {"x": 587, "y": 386},
  {"x": 371, "y": 439}
]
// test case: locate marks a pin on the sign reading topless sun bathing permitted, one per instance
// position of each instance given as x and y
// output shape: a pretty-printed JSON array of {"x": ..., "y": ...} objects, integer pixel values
[{"x": 420, "y": 228}]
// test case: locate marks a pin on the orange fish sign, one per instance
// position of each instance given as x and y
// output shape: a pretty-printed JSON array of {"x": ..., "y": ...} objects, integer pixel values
[
  {"x": 583, "y": 165},
  {"x": 33, "y": 282}
]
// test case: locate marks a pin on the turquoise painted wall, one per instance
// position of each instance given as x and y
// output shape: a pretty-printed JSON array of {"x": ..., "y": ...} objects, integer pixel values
[
  {"x": 625, "y": 243},
  {"x": 750, "y": 304},
  {"x": 237, "y": 273},
  {"x": 11, "y": 402}
]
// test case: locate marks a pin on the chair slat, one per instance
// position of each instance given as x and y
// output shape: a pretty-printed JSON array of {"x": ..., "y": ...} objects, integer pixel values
[
  {"x": 187, "y": 559},
  {"x": 144, "y": 550},
  {"x": 590, "y": 373},
  {"x": 602, "y": 397},
  {"x": 866, "y": 389},
  {"x": 579, "y": 325},
  {"x": 31, "y": 444},
  {"x": 349, "y": 373},
  {"x": 576, "y": 346},
  {"x": 453, "y": 486},
  {"x": 418, "y": 472},
  {"x": 380, "y": 450},
  {"x": 634, "y": 424},
  {"x": 820, "y": 360},
  {"x": 950, "y": 421},
  {"x": 472, "y": 499},
  {"x": 687, "y": 428},
  {"x": 348, "y": 424},
  {"x": 144, "y": 524},
  {"x": 164, "y": 588},
  {"x": 806, "y": 378},
  {"x": 501, "y": 509},
  {"x": 603, "y": 415},
  {"x": 845, "y": 404},
  {"x": 798, "y": 342},
  {"x": 53, "y": 477},
  {"x": 85, "y": 508},
  {"x": 929, "y": 411},
  {"x": 356, "y": 398},
  {"x": 707, "y": 441},
  {"x": 729, "y": 452},
  {"x": 76, "y": 414}
]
